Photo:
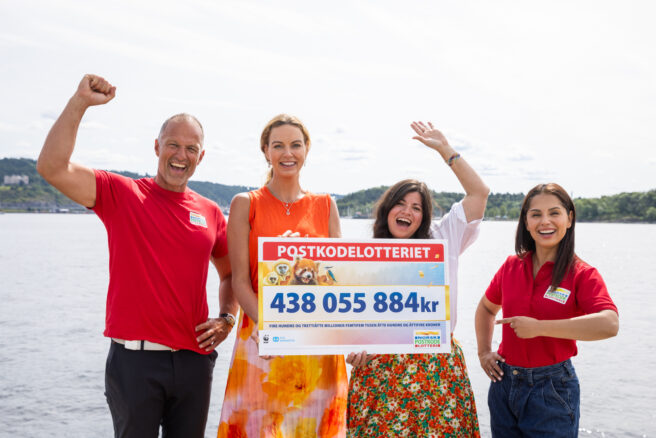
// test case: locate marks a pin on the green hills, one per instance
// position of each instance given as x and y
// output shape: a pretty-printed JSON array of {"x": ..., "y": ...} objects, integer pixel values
[{"x": 39, "y": 196}]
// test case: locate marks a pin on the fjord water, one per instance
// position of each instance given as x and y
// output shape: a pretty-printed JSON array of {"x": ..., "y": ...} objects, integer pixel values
[{"x": 53, "y": 282}]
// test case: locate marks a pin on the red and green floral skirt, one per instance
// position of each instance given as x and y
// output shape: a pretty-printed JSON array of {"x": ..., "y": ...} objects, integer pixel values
[{"x": 414, "y": 395}]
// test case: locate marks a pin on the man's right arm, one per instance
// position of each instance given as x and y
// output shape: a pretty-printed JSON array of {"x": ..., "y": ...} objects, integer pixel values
[{"x": 76, "y": 181}]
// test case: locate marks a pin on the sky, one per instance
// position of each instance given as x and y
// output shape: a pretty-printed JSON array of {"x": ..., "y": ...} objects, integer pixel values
[{"x": 527, "y": 92}]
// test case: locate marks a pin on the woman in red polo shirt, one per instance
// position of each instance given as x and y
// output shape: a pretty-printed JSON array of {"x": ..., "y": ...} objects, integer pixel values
[{"x": 550, "y": 298}]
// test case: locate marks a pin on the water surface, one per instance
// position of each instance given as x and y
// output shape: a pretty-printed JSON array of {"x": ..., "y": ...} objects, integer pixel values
[{"x": 53, "y": 283}]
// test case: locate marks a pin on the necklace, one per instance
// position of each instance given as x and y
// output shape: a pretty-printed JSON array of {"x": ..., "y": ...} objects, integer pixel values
[{"x": 287, "y": 206}]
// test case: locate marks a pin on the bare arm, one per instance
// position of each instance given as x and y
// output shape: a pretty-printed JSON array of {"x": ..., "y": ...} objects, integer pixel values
[
  {"x": 593, "y": 327},
  {"x": 76, "y": 181},
  {"x": 238, "y": 230},
  {"x": 227, "y": 301},
  {"x": 334, "y": 227},
  {"x": 215, "y": 330},
  {"x": 484, "y": 322},
  {"x": 476, "y": 191}
]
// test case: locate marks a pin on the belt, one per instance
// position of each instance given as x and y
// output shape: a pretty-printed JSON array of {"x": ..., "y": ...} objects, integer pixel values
[{"x": 143, "y": 345}]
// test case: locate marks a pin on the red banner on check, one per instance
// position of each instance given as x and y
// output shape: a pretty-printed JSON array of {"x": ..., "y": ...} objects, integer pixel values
[{"x": 353, "y": 251}]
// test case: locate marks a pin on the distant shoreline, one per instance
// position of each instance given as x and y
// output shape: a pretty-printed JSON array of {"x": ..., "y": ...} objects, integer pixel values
[
  {"x": 487, "y": 219},
  {"x": 25, "y": 191}
]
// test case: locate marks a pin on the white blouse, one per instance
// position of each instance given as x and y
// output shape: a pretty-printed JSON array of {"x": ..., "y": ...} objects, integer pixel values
[{"x": 454, "y": 228}]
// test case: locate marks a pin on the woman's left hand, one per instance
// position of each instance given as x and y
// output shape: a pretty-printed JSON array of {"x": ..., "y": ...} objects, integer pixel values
[
  {"x": 358, "y": 359},
  {"x": 430, "y": 136},
  {"x": 524, "y": 326}
]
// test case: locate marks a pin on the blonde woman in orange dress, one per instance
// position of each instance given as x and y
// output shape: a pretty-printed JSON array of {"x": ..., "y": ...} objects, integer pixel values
[{"x": 283, "y": 396}]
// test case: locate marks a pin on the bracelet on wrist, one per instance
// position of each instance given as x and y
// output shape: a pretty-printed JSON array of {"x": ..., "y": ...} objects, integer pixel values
[{"x": 452, "y": 159}]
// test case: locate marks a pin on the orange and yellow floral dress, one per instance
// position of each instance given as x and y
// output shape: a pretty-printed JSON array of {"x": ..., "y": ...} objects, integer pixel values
[{"x": 287, "y": 396}]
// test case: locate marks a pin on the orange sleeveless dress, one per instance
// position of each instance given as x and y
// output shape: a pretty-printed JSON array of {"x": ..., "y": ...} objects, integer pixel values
[{"x": 287, "y": 396}]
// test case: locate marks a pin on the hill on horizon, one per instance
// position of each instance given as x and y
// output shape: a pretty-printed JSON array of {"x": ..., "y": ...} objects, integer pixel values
[{"x": 39, "y": 196}]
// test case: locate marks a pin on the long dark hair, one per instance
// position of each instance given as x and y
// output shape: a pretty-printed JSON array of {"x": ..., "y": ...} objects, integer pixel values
[
  {"x": 393, "y": 196},
  {"x": 565, "y": 255}
]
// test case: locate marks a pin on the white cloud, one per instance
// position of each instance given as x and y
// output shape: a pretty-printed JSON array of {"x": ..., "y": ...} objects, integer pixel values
[
  {"x": 18, "y": 41},
  {"x": 92, "y": 124},
  {"x": 518, "y": 155},
  {"x": 8, "y": 127}
]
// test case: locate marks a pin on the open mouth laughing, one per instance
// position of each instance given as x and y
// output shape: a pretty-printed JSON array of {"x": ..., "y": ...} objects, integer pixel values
[
  {"x": 177, "y": 167},
  {"x": 403, "y": 222}
]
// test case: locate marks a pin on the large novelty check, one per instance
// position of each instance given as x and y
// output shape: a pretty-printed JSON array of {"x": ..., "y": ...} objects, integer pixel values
[{"x": 336, "y": 296}]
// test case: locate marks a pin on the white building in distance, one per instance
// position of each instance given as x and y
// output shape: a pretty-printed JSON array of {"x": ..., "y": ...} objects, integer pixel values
[{"x": 16, "y": 179}]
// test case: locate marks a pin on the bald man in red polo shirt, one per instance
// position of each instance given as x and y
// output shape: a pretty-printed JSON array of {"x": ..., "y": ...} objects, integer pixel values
[{"x": 161, "y": 237}]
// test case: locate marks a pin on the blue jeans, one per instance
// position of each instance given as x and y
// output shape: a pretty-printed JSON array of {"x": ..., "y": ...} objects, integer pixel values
[{"x": 535, "y": 402}]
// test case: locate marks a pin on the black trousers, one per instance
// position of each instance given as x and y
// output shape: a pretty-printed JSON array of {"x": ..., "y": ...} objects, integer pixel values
[{"x": 146, "y": 389}]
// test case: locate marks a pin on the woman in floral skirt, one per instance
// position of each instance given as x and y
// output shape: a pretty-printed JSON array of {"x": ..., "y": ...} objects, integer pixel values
[{"x": 420, "y": 395}]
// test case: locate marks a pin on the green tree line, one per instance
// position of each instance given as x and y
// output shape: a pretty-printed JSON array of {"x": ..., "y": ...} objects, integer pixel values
[
  {"x": 38, "y": 195},
  {"x": 624, "y": 207}
]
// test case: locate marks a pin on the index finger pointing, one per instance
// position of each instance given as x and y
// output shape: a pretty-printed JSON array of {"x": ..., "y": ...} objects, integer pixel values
[{"x": 503, "y": 321}]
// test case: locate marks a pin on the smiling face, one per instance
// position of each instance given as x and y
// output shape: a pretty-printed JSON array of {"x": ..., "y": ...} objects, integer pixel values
[
  {"x": 180, "y": 149},
  {"x": 286, "y": 150},
  {"x": 547, "y": 221},
  {"x": 404, "y": 218}
]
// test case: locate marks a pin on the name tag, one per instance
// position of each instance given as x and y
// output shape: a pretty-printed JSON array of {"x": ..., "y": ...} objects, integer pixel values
[
  {"x": 197, "y": 219},
  {"x": 558, "y": 295}
]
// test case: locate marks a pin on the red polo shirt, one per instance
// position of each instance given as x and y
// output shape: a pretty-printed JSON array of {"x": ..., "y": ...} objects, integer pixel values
[
  {"x": 160, "y": 244},
  {"x": 581, "y": 292}
]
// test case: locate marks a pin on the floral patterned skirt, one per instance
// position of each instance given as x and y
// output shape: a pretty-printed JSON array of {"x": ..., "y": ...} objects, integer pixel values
[
  {"x": 414, "y": 395},
  {"x": 286, "y": 396}
]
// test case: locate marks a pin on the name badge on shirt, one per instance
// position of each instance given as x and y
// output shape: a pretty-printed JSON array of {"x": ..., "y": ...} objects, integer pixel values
[
  {"x": 197, "y": 219},
  {"x": 558, "y": 295}
]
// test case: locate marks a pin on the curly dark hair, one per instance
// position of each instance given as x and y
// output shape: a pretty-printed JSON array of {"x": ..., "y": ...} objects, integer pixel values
[{"x": 392, "y": 197}]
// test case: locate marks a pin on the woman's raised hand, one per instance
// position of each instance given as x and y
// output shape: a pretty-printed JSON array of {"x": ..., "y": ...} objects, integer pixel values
[{"x": 430, "y": 136}]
